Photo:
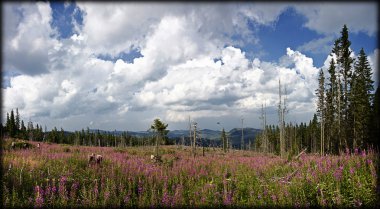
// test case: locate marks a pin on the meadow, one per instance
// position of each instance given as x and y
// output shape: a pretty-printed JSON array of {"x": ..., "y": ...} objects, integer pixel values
[{"x": 57, "y": 175}]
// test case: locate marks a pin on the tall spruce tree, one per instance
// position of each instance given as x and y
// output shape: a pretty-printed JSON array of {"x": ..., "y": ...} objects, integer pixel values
[
  {"x": 361, "y": 99},
  {"x": 321, "y": 108},
  {"x": 8, "y": 123},
  {"x": 344, "y": 64},
  {"x": 331, "y": 107},
  {"x": 17, "y": 120},
  {"x": 12, "y": 125}
]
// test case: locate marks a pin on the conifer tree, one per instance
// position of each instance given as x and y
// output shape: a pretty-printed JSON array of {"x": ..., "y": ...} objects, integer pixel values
[
  {"x": 331, "y": 106},
  {"x": 361, "y": 99},
  {"x": 8, "y": 123},
  {"x": 321, "y": 107},
  {"x": 344, "y": 63},
  {"x": 12, "y": 125},
  {"x": 17, "y": 122}
]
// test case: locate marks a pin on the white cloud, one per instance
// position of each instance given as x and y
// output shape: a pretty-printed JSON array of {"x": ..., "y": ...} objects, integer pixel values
[
  {"x": 198, "y": 86},
  {"x": 264, "y": 13},
  {"x": 373, "y": 59},
  {"x": 189, "y": 65},
  {"x": 114, "y": 28},
  {"x": 329, "y": 18},
  {"x": 28, "y": 41},
  {"x": 318, "y": 46}
]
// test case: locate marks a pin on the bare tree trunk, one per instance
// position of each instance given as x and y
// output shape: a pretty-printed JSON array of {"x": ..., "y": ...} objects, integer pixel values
[
  {"x": 195, "y": 138},
  {"x": 156, "y": 150},
  {"x": 242, "y": 134}
]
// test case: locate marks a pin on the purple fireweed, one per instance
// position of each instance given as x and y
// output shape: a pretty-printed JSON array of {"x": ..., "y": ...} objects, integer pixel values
[
  {"x": 352, "y": 170},
  {"x": 165, "y": 199},
  {"x": 73, "y": 190},
  {"x": 338, "y": 173},
  {"x": 106, "y": 196},
  {"x": 140, "y": 188},
  {"x": 39, "y": 197},
  {"x": 228, "y": 199},
  {"x": 62, "y": 188},
  {"x": 126, "y": 199},
  {"x": 274, "y": 198}
]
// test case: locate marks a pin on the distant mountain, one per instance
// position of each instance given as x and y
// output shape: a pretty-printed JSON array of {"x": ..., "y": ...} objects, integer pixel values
[
  {"x": 249, "y": 134},
  {"x": 211, "y": 135},
  {"x": 119, "y": 133}
]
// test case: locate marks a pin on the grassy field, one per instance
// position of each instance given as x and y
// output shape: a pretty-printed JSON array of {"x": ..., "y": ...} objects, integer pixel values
[{"x": 59, "y": 175}]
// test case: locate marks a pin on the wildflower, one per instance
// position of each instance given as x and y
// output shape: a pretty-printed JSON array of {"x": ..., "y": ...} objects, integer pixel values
[
  {"x": 140, "y": 189},
  {"x": 228, "y": 199},
  {"x": 126, "y": 199},
  {"x": 274, "y": 198},
  {"x": 338, "y": 173},
  {"x": 363, "y": 153},
  {"x": 39, "y": 197},
  {"x": 106, "y": 195},
  {"x": 347, "y": 151},
  {"x": 62, "y": 188},
  {"x": 352, "y": 170},
  {"x": 369, "y": 161},
  {"x": 165, "y": 199},
  {"x": 54, "y": 189},
  {"x": 73, "y": 190}
]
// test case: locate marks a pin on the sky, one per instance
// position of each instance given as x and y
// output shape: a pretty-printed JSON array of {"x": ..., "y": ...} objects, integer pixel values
[{"x": 118, "y": 66}]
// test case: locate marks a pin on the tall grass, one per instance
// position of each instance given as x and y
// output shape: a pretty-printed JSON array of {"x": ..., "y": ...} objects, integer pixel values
[{"x": 58, "y": 175}]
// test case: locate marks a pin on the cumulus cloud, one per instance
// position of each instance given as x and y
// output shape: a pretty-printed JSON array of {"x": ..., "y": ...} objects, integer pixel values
[
  {"x": 373, "y": 59},
  {"x": 228, "y": 85},
  {"x": 328, "y": 18},
  {"x": 318, "y": 46},
  {"x": 189, "y": 65},
  {"x": 28, "y": 41}
]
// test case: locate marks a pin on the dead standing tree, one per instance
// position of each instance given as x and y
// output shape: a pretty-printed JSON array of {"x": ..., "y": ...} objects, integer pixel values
[
  {"x": 263, "y": 117},
  {"x": 194, "y": 138},
  {"x": 281, "y": 116}
]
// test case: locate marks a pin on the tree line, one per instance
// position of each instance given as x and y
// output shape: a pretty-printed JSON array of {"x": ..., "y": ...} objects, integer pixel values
[
  {"x": 347, "y": 114},
  {"x": 15, "y": 128}
]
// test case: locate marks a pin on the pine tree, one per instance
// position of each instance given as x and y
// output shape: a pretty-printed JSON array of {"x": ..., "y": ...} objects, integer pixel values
[
  {"x": 8, "y": 123},
  {"x": 344, "y": 64},
  {"x": 160, "y": 131},
  {"x": 17, "y": 120},
  {"x": 321, "y": 107},
  {"x": 361, "y": 99},
  {"x": 12, "y": 125},
  {"x": 331, "y": 106}
]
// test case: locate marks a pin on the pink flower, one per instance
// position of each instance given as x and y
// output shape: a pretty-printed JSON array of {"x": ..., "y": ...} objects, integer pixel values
[
  {"x": 39, "y": 197},
  {"x": 352, "y": 170}
]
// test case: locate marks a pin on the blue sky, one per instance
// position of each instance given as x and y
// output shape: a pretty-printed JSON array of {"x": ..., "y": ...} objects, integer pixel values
[{"x": 120, "y": 65}]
